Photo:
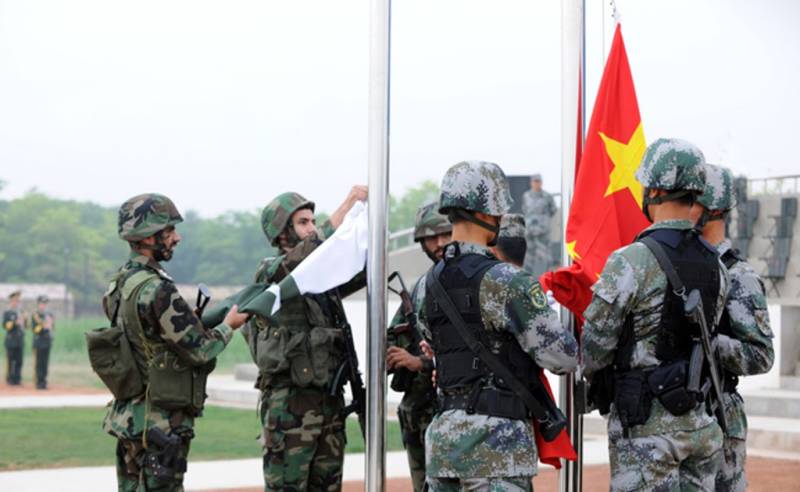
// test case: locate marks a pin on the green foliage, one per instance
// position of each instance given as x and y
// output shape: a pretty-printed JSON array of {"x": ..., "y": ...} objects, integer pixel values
[
  {"x": 403, "y": 210},
  {"x": 222, "y": 433}
]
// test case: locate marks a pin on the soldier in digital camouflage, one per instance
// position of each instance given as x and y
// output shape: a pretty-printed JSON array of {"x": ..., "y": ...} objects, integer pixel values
[
  {"x": 482, "y": 437},
  {"x": 538, "y": 208},
  {"x": 14, "y": 328},
  {"x": 660, "y": 436},
  {"x": 298, "y": 352},
  {"x": 511, "y": 243},
  {"x": 415, "y": 412},
  {"x": 744, "y": 342},
  {"x": 172, "y": 349}
]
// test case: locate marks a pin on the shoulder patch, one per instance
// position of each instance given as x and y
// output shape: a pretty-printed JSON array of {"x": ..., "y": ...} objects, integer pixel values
[{"x": 537, "y": 295}]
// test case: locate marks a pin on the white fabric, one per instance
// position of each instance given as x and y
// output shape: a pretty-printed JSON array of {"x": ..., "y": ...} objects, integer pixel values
[{"x": 336, "y": 261}]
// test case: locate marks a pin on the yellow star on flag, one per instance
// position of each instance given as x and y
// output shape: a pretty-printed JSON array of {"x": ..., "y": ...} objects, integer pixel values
[
  {"x": 571, "y": 250},
  {"x": 626, "y": 158}
]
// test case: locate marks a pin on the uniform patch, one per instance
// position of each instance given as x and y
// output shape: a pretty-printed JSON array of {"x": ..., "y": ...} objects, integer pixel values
[{"x": 538, "y": 298}]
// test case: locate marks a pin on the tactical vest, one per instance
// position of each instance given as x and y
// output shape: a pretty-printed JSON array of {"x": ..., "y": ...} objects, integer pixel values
[
  {"x": 465, "y": 381},
  {"x": 729, "y": 380},
  {"x": 697, "y": 265},
  {"x": 300, "y": 345}
]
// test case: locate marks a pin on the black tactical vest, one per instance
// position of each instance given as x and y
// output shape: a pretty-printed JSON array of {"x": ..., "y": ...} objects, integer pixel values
[
  {"x": 697, "y": 264},
  {"x": 457, "y": 368}
]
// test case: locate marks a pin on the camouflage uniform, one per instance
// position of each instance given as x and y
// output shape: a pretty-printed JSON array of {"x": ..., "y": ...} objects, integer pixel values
[
  {"x": 745, "y": 340},
  {"x": 667, "y": 452},
  {"x": 416, "y": 409},
  {"x": 538, "y": 207},
  {"x": 297, "y": 353},
  {"x": 168, "y": 324},
  {"x": 472, "y": 451},
  {"x": 14, "y": 343},
  {"x": 511, "y": 242},
  {"x": 42, "y": 341}
]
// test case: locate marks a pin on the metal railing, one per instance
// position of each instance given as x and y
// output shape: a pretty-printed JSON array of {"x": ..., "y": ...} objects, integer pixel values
[
  {"x": 401, "y": 239},
  {"x": 775, "y": 185}
]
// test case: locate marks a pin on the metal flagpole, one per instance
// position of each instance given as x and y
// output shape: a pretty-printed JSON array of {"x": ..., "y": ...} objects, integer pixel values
[
  {"x": 378, "y": 163},
  {"x": 573, "y": 86}
]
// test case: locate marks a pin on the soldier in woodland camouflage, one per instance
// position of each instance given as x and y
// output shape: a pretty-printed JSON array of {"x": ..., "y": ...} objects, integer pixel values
[
  {"x": 635, "y": 327},
  {"x": 298, "y": 352},
  {"x": 468, "y": 446},
  {"x": 745, "y": 337},
  {"x": 164, "y": 333},
  {"x": 415, "y": 412},
  {"x": 538, "y": 208},
  {"x": 14, "y": 328}
]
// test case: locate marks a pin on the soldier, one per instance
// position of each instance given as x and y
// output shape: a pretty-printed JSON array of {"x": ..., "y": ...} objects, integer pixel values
[
  {"x": 661, "y": 436},
  {"x": 173, "y": 351},
  {"x": 42, "y": 326},
  {"x": 538, "y": 207},
  {"x": 745, "y": 337},
  {"x": 14, "y": 324},
  {"x": 298, "y": 352},
  {"x": 511, "y": 243},
  {"x": 432, "y": 230},
  {"x": 482, "y": 437}
]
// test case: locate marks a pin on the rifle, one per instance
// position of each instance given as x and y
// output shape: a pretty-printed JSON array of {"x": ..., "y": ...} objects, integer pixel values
[
  {"x": 693, "y": 308},
  {"x": 348, "y": 372},
  {"x": 403, "y": 378},
  {"x": 203, "y": 296}
]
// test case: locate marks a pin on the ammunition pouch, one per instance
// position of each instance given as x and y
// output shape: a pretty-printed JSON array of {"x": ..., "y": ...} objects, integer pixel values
[
  {"x": 729, "y": 382},
  {"x": 176, "y": 385},
  {"x": 632, "y": 398},
  {"x": 111, "y": 357},
  {"x": 668, "y": 383},
  {"x": 307, "y": 357},
  {"x": 601, "y": 390}
]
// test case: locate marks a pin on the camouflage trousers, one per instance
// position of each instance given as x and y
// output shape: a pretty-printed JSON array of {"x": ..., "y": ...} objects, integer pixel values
[
  {"x": 731, "y": 476},
  {"x": 413, "y": 426},
  {"x": 679, "y": 461},
  {"x": 303, "y": 436},
  {"x": 495, "y": 484},
  {"x": 136, "y": 468}
]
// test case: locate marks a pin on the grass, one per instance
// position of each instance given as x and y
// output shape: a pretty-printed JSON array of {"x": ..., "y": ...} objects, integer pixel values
[
  {"x": 69, "y": 363},
  {"x": 47, "y": 438}
]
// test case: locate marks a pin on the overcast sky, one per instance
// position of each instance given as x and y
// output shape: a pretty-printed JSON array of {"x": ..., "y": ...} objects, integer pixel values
[{"x": 224, "y": 104}]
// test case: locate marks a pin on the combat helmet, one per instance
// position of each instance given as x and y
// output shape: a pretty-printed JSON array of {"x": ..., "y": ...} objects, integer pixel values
[
  {"x": 276, "y": 215},
  {"x": 673, "y": 165},
  {"x": 429, "y": 222},
  {"x": 144, "y": 215},
  {"x": 719, "y": 193},
  {"x": 477, "y": 186},
  {"x": 512, "y": 226}
]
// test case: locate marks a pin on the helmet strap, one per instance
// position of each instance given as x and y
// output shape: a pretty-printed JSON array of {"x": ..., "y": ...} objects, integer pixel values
[
  {"x": 481, "y": 223},
  {"x": 658, "y": 200}
]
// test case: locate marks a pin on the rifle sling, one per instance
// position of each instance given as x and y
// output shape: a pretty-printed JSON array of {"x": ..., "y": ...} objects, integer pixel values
[
  {"x": 480, "y": 350},
  {"x": 665, "y": 264}
]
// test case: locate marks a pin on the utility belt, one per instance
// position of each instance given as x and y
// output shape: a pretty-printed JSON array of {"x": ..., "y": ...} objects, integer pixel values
[{"x": 494, "y": 402}]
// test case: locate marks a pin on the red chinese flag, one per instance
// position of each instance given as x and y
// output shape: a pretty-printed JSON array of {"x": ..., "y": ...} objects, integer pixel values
[{"x": 606, "y": 210}]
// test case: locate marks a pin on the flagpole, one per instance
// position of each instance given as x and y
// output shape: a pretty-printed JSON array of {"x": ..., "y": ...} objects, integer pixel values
[
  {"x": 378, "y": 180},
  {"x": 573, "y": 86}
]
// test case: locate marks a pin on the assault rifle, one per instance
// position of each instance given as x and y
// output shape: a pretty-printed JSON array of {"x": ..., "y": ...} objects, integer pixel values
[
  {"x": 402, "y": 379},
  {"x": 348, "y": 372},
  {"x": 203, "y": 296},
  {"x": 693, "y": 308}
]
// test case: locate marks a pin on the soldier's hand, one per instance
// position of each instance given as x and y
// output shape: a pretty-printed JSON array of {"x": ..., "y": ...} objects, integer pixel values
[
  {"x": 234, "y": 318},
  {"x": 358, "y": 193},
  {"x": 399, "y": 357},
  {"x": 427, "y": 351}
]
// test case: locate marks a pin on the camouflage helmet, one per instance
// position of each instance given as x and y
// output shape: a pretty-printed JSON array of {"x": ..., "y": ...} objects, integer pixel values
[
  {"x": 672, "y": 164},
  {"x": 512, "y": 226},
  {"x": 276, "y": 215},
  {"x": 144, "y": 215},
  {"x": 429, "y": 222},
  {"x": 718, "y": 193},
  {"x": 477, "y": 186}
]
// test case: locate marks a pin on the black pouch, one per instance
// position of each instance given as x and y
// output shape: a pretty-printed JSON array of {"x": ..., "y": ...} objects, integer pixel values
[
  {"x": 601, "y": 390},
  {"x": 632, "y": 398},
  {"x": 668, "y": 384}
]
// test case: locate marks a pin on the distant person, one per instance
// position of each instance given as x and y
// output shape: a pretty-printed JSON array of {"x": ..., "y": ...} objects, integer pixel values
[
  {"x": 298, "y": 352},
  {"x": 538, "y": 207},
  {"x": 432, "y": 231},
  {"x": 174, "y": 352},
  {"x": 14, "y": 324},
  {"x": 42, "y": 326},
  {"x": 511, "y": 244},
  {"x": 744, "y": 342}
]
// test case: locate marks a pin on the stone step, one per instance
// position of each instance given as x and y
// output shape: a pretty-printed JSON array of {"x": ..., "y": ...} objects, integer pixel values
[
  {"x": 781, "y": 403},
  {"x": 790, "y": 382},
  {"x": 246, "y": 372}
]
